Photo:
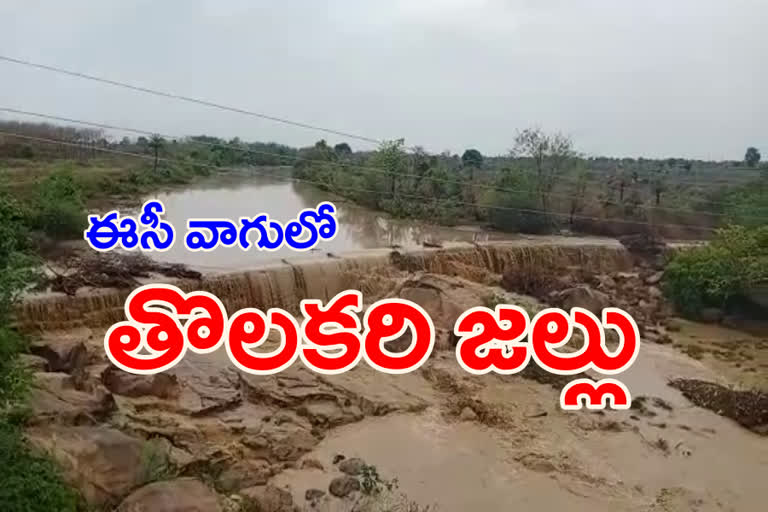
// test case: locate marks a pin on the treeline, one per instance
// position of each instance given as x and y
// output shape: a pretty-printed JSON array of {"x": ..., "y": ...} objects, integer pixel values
[{"x": 544, "y": 185}]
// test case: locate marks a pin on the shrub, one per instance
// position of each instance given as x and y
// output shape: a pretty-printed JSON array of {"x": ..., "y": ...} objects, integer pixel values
[
  {"x": 28, "y": 482},
  {"x": 715, "y": 274},
  {"x": 59, "y": 210}
]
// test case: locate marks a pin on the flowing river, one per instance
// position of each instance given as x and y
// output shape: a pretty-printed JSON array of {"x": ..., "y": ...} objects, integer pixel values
[{"x": 232, "y": 197}]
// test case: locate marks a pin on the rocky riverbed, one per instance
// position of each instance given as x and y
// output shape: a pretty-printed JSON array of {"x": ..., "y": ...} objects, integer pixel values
[{"x": 207, "y": 437}]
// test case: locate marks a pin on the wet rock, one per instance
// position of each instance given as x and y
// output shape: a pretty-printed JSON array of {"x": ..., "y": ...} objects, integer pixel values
[
  {"x": 711, "y": 315},
  {"x": 467, "y": 414},
  {"x": 33, "y": 363},
  {"x": 432, "y": 293},
  {"x": 269, "y": 498},
  {"x": 179, "y": 495},
  {"x": 534, "y": 411},
  {"x": 161, "y": 385},
  {"x": 582, "y": 297},
  {"x": 352, "y": 467},
  {"x": 243, "y": 474},
  {"x": 654, "y": 278},
  {"x": 102, "y": 463},
  {"x": 64, "y": 354},
  {"x": 342, "y": 486},
  {"x": 54, "y": 399},
  {"x": 311, "y": 463},
  {"x": 313, "y": 494},
  {"x": 537, "y": 462}
]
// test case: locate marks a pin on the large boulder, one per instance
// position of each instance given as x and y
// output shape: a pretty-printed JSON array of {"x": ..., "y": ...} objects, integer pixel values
[
  {"x": 582, "y": 297},
  {"x": 102, "y": 463},
  {"x": 269, "y": 498},
  {"x": 179, "y": 495}
]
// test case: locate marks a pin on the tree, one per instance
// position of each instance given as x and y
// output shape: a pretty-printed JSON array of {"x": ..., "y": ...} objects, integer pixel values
[
  {"x": 579, "y": 197},
  {"x": 155, "y": 144},
  {"x": 550, "y": 153},
  {"x": 342, "y": 148},
  {"x": 392, "y": 158},
  {"x": 658, "y": 182},
  {"x": 752, "y": 157},
  {"x": 472, "y": 158}
]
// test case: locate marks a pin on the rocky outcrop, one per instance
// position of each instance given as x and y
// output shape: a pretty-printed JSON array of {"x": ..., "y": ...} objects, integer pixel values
[
  {"x": 54, "y": 398},
  {"x": 104, "y": 464},
  {"x": 64, "y": 351},
  {"x": 179, "y": 495}
]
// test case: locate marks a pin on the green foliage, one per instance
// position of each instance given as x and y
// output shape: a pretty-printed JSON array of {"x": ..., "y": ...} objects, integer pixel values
[
  {"x": 516, "y": 204},
  {"x": 748, "y": 205},
  {"x": 30, "y": 482},
  {"x": 752, "y": 156},
  {"x": 342, "y": 149},
  {"x": 155, "y": 462},
  {"x": 493, "y": 300},
  {"x": 719, "y": 272},
  {"x": 59, "y": 210},
  {"x": 472, "y": 158}
]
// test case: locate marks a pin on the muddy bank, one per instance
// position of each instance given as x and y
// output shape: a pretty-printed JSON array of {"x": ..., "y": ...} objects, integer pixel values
[{"x": 208, "y": 437}]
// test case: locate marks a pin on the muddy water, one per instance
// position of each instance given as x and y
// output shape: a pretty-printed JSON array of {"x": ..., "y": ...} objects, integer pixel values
[
  {"x": 235, "y": 197},
  {"x": 541, "y": 458},
  {"x": 681, "y": 458}
]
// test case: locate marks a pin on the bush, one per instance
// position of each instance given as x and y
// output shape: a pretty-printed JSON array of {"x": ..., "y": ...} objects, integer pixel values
[
  {"x": 28, "y": 482},
  {"x": 720, "y": 272},
  {"x": 59, "y": 210}
]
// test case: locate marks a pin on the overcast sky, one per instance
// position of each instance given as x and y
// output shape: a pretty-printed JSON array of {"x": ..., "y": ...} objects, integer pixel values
[{"x": 651, "y": 78}]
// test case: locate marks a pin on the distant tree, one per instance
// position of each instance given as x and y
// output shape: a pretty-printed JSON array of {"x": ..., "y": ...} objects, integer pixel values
[
  {"x": 156, "y": 143},
  {"x": 342, "y": 148},
  {"x": 472, "y": 158},
  {"x": 142, "y": 141},
  {"x": 658, "y": 182},
  {"x": 579, "y": 196},
  {"x": 125, "y": 141},
  {"x": 752, "y": 157},
  {"x": 391, "y": 157},
  {"x": 551, "y": 154}
]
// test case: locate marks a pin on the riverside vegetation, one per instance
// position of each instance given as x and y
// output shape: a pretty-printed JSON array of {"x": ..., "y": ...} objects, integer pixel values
[{"x": 543, "y": 186}]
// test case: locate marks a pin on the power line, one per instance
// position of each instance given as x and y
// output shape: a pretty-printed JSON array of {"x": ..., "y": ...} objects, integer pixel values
[
  {"x": 189, "y": 99},
  {"x": 198, "y": 101},
  {"x": 357, "y": 189},
  {"x": 295, "y": 159},
  {"x": 207, "y": 103}
]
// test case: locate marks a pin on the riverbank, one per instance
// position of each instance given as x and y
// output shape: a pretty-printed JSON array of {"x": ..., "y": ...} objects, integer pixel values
[{"x": 208, "y": 433}]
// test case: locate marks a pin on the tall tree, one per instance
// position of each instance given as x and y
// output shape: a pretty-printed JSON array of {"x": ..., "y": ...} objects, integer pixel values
[
  {"x": 342, "y": 148},
  {"x": 550, "y": 153},
  {"x": 472, "y": 160},
  {"x": 752, "y": 156},
  {"x": 156, "y": 143}
]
